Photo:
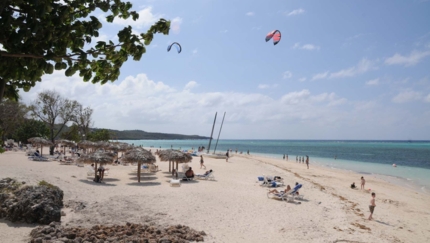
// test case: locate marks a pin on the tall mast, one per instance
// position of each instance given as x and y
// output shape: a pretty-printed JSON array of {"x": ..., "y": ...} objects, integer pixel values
[
  {"x": 210, "y": 140},
  {"x": 219, "y": 132}
]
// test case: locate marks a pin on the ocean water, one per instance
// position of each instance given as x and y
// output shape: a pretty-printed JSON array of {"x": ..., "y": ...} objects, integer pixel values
[{"x": 365, "y": 157}]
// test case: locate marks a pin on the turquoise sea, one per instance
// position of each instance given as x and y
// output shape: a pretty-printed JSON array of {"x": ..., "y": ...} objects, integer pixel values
[{"x": 364, "y": 157}]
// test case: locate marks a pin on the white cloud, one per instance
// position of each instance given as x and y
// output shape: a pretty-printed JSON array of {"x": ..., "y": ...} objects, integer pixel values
[
  {"x": 302, "y": 79},
  {"x": 146, "y": 18},
  {"x": 309, "y": 47},
  {"x": 373, "y": 82},
  {"x": 406, "y": 96},
  {"x": 195, "y": 51},
  {"x": 190, "y": 85},
  {"x": 320, "y": 76},
  {"x": 363, "y": 66},
  {"x": 137, "y": 102},
  {"x": 411, "y": 60},
  {"x": 295, "y": 97},
  {"x": 427, "y": 98},
  {"x": 267, "y": 86},
  {"x": 223, "y": 31},
  {"x": 175, "y": 25},
  {"x": 250, "y": 14},
  {"x": 296, "y": 12},
  {"x": 287, "y": 74}
]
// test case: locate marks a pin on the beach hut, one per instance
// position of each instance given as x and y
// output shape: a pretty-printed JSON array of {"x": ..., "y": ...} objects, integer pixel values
[
  {"x": 140, "y": 156},
  {"x": 98, "y": 157},
  {"x": 172, "y": 155},
  {"x": 38, "y": 141}
]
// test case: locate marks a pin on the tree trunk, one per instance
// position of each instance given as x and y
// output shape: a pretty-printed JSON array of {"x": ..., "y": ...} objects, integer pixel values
[
  {"x": 138, "y": 172},
  {"x": 2, "y": 88}
]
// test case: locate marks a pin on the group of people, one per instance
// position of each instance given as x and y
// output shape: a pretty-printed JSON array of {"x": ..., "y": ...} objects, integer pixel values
[
  {"x": 363, "y": 182},
  {"x": 301, "y": 159},
  {"x": 372, "y": 200}
]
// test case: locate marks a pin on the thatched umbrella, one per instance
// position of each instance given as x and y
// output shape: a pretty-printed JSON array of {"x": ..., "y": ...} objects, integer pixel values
[
  {"x": 40, "y": 142},
  {"x": 86, "y": 144},
  {"x": 172, "y": 155},
  {"x": 97, "y": 157},
  {"x": 65, "y": 143},
  {"x": 140, "y": 156}
]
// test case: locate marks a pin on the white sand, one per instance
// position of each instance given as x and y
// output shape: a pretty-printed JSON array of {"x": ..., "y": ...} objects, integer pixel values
[{"x": 234, "y": 208}]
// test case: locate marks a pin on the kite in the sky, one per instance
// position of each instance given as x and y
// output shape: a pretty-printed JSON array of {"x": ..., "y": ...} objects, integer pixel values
[
  {"x": 178, "y": 47},
  {"x": 276, "y": 35}
]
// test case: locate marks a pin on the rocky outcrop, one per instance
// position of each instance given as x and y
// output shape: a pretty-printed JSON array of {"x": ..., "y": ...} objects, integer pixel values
[
  {"x": 117, "y": 233},
  {"x": 30, "y": 204}
]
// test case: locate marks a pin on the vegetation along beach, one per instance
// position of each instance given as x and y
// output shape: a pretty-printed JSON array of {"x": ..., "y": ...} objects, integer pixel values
[{"x": 214, "y": 121}]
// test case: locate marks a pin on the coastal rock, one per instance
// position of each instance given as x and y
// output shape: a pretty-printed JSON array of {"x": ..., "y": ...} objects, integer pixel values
[
  {"x": 30, "y": 204},
  {"x": 116, "y": 233}
]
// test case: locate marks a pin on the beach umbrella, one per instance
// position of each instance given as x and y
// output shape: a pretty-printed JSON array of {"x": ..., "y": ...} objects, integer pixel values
[
  {"x": 141, "y": 156},
  {"x": 86, "y": 144},
  {"x": 172, "y": 155},
  {"x": 39, "y": 141},
  {"x": 65, "y": 143},
  {"x": 97, "y": 157}
]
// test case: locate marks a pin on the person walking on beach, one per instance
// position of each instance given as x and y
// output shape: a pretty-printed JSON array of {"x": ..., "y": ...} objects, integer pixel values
[
  {"x": 372, "y": 205},
  {"x": 287, "y": 157},
  {"x": 202, "y": 162},
  {"x": 307, "y": 161},
  {"x": 297, "y": 158},
  {"x": 226, "y": 156},
  {"x": 362, "y": 183},
  {"x": 283, "y": 157}
]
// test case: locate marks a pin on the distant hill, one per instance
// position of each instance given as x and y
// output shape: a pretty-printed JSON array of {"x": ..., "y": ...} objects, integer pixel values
[{"x": 140, "y": 135}]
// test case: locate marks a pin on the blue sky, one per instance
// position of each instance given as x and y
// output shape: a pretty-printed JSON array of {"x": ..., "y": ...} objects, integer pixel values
[{"x": 342, "y": 70}]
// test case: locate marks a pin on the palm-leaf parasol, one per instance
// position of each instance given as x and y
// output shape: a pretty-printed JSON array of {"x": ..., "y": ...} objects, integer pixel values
[
  {"x": 40, "y": 141},
  {"x": 97, "y": 157},
  {"x": 172, "y": 155},
  {"x": 140, "y": 156}
]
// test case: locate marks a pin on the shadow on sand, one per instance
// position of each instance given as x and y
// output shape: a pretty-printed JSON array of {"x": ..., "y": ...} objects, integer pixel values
[
  {"x": 144, "y": 184},
  {"x": 143, "y": 178},
  {"x": 91, "y": 182},
  {"x": 387, "y": 224}
]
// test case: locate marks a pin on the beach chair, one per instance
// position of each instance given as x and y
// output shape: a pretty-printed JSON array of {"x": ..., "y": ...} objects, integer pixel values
[
  {"x": 281, "y": 196},
  {"x": 185, "y": 167},
  {"x": 269, "y": 182},
  {"x": 294, "y": 194},
  {"x": 209, "y": 177}
]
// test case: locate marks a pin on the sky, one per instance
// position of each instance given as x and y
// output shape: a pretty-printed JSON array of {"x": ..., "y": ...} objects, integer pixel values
[{"x": 342, "y": 70}]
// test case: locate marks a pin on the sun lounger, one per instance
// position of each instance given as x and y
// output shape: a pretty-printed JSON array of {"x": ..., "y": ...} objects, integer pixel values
[
  {"x": 208, "y": 177},
  {"x": 281, "y": 196},
  {"x": 269, "y": 182},
  {"x": 294, "y": 194}
]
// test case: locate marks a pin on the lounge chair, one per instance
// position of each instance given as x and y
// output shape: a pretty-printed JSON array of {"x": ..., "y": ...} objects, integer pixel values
[
  {"x": 269, "y": 182},
  {"x": 209, "y": 176},
  {"x": 294, "y": 194},
  {"x": 284, "y": 196}
]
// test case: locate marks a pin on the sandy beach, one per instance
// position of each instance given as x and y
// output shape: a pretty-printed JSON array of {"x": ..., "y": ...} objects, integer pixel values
[{"x": 234, "y": 207}]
